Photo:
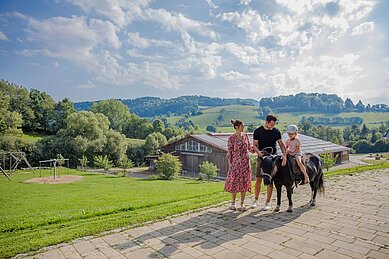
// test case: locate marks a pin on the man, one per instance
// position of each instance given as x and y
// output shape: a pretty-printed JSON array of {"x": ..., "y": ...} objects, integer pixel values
[{"x": 264, "y": 137}]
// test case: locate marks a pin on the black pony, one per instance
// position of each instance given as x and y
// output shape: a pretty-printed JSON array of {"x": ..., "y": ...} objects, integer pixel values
[{"x": 286, "y": 176}]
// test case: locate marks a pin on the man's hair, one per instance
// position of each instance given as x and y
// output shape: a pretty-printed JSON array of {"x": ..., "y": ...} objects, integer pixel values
[{"x": 271, "y": 117}]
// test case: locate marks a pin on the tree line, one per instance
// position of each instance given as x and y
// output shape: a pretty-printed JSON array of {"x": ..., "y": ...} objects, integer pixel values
[
  {"x": 108, "y": 130},
  {"x": 360, "y": 139},
  {"x": 315, "y": 102},
  {"x": 155, "y": 106}
]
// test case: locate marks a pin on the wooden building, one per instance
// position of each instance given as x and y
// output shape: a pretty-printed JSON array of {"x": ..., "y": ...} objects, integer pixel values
[{"x": 195, "y": 149}]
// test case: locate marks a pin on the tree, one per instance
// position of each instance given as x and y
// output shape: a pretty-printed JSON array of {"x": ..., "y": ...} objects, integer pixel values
[
  {"x": 327, "y": 160},
  {"x": 364, "y": 131},
  {"x": 10, "y": 122},
  {"x": 154, "y": 142},
  {"x": 373, "y": 136},
  {"x": 137, "y": 128},
  {"x": 362, "y": 146},
  {"x": 211, "y": 128},
  {"x": 349, "y": 105},
  {"x": 84, "y": 162},
  {"x": 381, "y": 145},
  {"x": 158, "y": 125},
  {"x": 360, "y": 107},
  {"x": 125, "y": 164},
  {"x": 61, "y": 111},
  {"x": 43, "y": 107},
  {"x": 102, "y": 162},
  {"x": 168, "y": 166},
  {"x": 208, "y": 169},
  {"x": 116, "y": 112}
]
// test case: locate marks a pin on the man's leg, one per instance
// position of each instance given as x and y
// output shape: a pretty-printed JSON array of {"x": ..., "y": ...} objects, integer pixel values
[
  {"x": 269, "y": 192},
  {"x": 258, "y": 184}
]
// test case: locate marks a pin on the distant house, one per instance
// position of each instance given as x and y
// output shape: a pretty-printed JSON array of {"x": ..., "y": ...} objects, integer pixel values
[{"x": 194, "y": 149}]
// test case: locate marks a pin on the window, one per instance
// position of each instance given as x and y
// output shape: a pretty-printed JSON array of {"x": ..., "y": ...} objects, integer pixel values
[{"x": 193, "y": 146}]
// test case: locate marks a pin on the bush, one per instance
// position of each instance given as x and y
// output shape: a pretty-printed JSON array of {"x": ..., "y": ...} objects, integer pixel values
[
  {"x": 168, "y": 166},
  {"x": 102, "y": 162},
  {"x": 208, "y": 169},
  {"x": 327, "y": 160}
]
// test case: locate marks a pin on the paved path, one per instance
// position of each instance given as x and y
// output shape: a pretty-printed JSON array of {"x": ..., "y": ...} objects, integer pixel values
[{"x": 351, "y": 221}]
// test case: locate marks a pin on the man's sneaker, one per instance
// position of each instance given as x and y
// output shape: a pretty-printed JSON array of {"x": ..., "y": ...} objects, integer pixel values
[
  {"x": 233, "y": 207},
  {"x": 266, "y": 207},
  {"x": 254, "y": 205},
  {"x": 243, "y": 208}
]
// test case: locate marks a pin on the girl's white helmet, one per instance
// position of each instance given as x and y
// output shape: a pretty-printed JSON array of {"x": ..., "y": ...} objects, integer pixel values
[{"x": 291, "y": 129}]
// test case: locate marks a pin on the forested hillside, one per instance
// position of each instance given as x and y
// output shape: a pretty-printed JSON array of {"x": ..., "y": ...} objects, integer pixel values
[
  {"x": 315, "y": 102},
  {"x": 155, "y": 106}
]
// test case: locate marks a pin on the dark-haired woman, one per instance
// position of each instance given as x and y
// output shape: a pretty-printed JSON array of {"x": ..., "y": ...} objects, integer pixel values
[{"x": 239, "y": 168}]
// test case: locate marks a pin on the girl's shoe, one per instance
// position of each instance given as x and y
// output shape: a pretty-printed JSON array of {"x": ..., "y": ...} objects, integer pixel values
[
  {"x": 232, "y": 207},
  {"x": 243, "y": 208}
]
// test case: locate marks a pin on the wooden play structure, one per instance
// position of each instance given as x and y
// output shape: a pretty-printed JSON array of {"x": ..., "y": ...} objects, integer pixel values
[{"x": 9, "y": 162}]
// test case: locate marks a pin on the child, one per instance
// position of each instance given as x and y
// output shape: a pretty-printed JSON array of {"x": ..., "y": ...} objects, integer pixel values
[{"x": 293, "y": 148}]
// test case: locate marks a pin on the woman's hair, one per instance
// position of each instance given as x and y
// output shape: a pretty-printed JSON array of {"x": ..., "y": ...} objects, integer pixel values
[{"x": 236, "y": 123}]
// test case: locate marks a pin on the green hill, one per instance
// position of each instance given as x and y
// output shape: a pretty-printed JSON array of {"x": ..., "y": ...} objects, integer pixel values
[{"x": 249, "y": 114}]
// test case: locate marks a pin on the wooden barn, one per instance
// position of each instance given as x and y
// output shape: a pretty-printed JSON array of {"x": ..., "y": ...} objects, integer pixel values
[{"x": 195, "y": 149}]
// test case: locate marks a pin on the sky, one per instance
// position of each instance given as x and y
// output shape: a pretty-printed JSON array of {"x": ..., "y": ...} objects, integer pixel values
[{"x": 102, "y": 49}]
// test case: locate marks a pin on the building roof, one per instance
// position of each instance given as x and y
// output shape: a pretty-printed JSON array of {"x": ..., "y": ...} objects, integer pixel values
[{"x": 308, "y": 144}]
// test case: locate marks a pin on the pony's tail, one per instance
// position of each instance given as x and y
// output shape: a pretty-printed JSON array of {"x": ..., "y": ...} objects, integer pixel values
[{"x": 321, "y": 182}]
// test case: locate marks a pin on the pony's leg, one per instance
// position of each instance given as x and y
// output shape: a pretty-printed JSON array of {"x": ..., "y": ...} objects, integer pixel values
[
  {"x": 289, "y": 194},
  {"x": 314, "y": 188},
  {"x": 312, "y": 184},
  {"x": 279, "y": 189}
]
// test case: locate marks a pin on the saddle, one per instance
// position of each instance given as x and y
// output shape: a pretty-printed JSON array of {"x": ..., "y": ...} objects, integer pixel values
[{"x": 309, "y": 165}]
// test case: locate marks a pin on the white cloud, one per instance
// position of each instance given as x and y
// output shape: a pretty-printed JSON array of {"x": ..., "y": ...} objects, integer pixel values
[
  {"x": 56, "y": 64},
  {"x": 87, "y": 85},
  {"x": 233, "y": 75},
  {"x": 121, "y": 12},
  {"x": 178, "y": 22},
  {"x": 137, "y": 41},
  {"x": 3, "y": 36},
  {"x": 363, "y": 28},
  {"x": 72, "y": 38}
]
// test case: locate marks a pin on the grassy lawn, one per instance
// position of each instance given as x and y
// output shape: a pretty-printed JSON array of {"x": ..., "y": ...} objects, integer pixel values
[
  {"x": 37, "y": 215},
  {"x": 357, "y": 169},
  {"x": 30, "y": 137}
]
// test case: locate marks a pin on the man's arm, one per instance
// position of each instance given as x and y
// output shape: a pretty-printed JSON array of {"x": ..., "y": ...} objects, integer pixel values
[{"x": 255, "y": 143}]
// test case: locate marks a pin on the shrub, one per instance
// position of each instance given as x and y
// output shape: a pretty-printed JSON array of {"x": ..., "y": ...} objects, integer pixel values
[
  {"x": 327, "y": 160},
  {"x": 168, "y": 166},
  {"x": 102, "y": 162},
  {"x": 208, "y": 169},
  {"x": 84, "y": 162},
  {"x": 125, "y": 164}
]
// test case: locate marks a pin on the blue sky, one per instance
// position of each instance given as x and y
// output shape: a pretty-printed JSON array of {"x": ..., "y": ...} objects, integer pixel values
[{"x": 100, "y": 49}]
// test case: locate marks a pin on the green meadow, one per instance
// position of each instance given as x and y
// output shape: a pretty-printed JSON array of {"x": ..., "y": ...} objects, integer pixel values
[
  {"x": 37, "y": 215},
  {"x": 249, "y": 114}
]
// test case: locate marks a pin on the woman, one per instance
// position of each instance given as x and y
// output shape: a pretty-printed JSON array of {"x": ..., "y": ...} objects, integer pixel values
[{"x": 239, "y": 168}]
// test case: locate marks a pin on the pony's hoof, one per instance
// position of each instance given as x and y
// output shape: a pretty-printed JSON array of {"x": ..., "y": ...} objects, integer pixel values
[
  {"x": 313, "y": 203},
  {"x": 290, "y": 209},
  {"x": 277, "y": 209}
]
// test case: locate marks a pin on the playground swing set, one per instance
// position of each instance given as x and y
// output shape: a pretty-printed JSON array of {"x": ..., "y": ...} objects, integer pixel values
[
  {"x": 9, "y": 162},
  {"x": 54, "y": 163}
]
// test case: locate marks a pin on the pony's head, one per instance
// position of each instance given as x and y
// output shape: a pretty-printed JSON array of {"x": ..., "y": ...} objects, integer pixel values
[{"x": 268, "y": 168}]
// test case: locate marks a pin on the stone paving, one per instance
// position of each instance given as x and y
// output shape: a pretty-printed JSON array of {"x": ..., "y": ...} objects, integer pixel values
[{"x": 350, "y": 221}]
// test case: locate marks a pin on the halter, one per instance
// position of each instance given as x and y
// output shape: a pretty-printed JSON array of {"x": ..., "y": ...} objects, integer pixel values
[{"x": 267, "y": 151}]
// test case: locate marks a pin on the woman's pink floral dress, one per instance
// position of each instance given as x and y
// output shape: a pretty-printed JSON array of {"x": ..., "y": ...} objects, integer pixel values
[{"x": 239, "y": 175}]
